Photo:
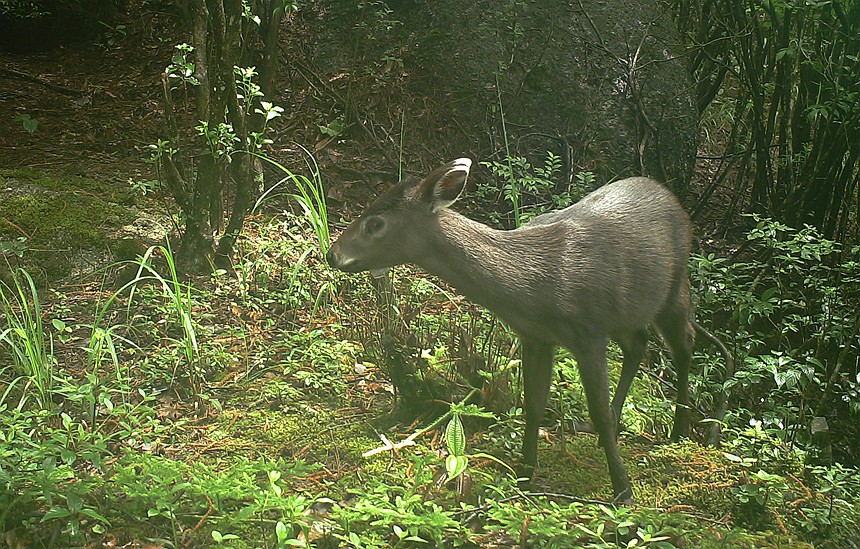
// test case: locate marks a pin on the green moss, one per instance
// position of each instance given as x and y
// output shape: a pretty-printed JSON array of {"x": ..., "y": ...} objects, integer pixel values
[
  {"x": 684, "y": 475},
  {"x": 687, "y": 475},
  {"x": 58, "y": 221},
  {"x": 129, "y": 249},
  {"x": 96, "y": 188},
  {"x": 578, "y": 468},
  {"x": 58, "y": 216},
  {"x": 320, "y": 436}
]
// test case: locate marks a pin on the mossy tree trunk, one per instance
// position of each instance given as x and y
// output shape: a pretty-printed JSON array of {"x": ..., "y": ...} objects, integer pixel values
[{"x": 207, "y": 166}]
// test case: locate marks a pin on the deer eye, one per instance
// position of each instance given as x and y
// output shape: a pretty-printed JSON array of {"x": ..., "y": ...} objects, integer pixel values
[{"x": 374, "y": 225}]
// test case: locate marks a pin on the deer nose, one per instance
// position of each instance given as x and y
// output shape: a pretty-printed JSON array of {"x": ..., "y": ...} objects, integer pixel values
[
  {"x": 337, "y": 261},
  {"x": 331, "y": 258}
]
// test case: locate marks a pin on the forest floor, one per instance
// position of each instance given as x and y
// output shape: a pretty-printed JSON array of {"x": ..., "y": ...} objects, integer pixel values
[{"x": 236, "y": 410}]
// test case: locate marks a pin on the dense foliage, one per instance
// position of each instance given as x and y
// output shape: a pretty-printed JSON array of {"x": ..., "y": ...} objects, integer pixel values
[
  {"x": 784, "y": 78},
  {"x": 235, "y": 412},
  {"x": 788, "y": 306},
  {"x": 247, "y": 411}
]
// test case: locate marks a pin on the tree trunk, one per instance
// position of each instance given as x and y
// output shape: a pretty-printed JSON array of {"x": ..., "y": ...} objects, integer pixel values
[{"x": 199, "y": 177}]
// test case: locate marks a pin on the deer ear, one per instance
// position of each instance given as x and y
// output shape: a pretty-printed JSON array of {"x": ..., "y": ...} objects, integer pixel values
[{"x": 445, "y": 184}]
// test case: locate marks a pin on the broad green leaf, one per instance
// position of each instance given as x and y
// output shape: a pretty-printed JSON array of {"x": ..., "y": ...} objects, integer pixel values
[
  {"x": 455, "y": 437},
  {"x": 456, "y": 465}
]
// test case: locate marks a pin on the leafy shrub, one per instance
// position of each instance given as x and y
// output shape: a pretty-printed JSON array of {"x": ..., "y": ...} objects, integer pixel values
[
  {"x": 21, "y": 9},
  {"x": 789, "y": 309},
  {"x": 53, "y": 462},
  {"x": 385, "y": 515},
  {"x": 531, "y": 190}
]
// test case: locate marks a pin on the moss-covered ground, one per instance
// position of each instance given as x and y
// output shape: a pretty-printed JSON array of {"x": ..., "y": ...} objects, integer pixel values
[{"x": 59, "y": 221}]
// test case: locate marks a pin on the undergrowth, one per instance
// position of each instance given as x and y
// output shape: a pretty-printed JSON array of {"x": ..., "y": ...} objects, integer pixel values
[{"x": 256, "y": 411}]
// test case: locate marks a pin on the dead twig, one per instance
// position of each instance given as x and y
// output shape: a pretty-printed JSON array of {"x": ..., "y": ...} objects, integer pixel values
[
  {"x": 20, "y": 75},
  {"x": 349, "y": 107}
]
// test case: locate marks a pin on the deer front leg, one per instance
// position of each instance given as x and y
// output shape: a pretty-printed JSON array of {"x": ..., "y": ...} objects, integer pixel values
[
  {"x": 537, "y": 375},
  {"x": 591, "y": 359},
  {"x": 678, "y": 333}
]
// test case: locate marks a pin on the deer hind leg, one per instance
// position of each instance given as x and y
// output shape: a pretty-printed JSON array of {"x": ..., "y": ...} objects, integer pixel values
[
  {"x": 674, "y": 325},
  {"x": 591, "y": 360},
  {"x": 633, "y": 347},
  {"x": 537, "y": 375}
]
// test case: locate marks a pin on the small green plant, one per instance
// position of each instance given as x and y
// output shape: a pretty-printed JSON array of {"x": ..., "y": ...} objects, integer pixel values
[
  {"x": 63, "y": 330},
  {"x": 834, "y": 518},
  {"x": 455, "y": 440},
  {"x": 292, "y": 523},
  {"x": 143, "y": 187},
  {"x": 546, "y": 520},
  {"x": 30, "y": 124},
  {"x": 317, "y": 362},
  {"x": 221, "y": 140},
  {"x": 251, "y": 496},
  {"x": 760, "y": 490},
  {"x": 585, "y": 183},
  {"x": 181, "y": 68},
  {"x": 532, "y": 190},
  {"x": 387, "y": 515},
  {"x": 112, "y": 35},
  {"x": 458, "y": 460},
  {"x": 333, "y": 128},
  {"x": 15, "y": 247},
  {"x": 221, "y": 540},
  {"x": 251, "y": 97}
]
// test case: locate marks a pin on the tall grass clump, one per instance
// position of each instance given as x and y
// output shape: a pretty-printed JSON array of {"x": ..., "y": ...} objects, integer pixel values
[
  {"x": 179, "y": 303},
  {"x": 309, "y": 194},
  {"x": 24, "y": 336}
]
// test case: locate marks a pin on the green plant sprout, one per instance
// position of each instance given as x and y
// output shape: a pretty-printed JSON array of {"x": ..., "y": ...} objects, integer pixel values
[{"x": 28, "y": 122}]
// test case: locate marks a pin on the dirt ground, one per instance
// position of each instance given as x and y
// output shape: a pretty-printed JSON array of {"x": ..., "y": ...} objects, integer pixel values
[{"x": 97, "y": 110}]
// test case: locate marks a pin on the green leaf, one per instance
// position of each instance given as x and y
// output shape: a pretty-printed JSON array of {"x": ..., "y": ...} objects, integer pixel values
[
  {"x": 94, "y": 515},
  {"x": 244, "y": 513},
  {"x": 281, "y": 531},
  {"x": 769, "y": 293},
  {"x": 455, "y": 436},
  {"x": 68, "y": 456},
  {"x": 73, "y": 502},
  {"x": 56, "y": 512},
  {"x": 456, "y": 465}
]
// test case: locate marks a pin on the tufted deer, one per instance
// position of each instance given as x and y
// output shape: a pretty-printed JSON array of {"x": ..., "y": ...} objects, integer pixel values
[{"x": 605, "y": 268}]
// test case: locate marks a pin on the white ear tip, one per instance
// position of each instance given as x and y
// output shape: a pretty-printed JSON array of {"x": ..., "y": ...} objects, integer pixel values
[{"x": 463, "y": 163}]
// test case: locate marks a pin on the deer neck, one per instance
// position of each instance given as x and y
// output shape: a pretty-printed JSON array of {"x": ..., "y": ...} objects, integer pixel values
[{"x": 488, "y": 266}]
